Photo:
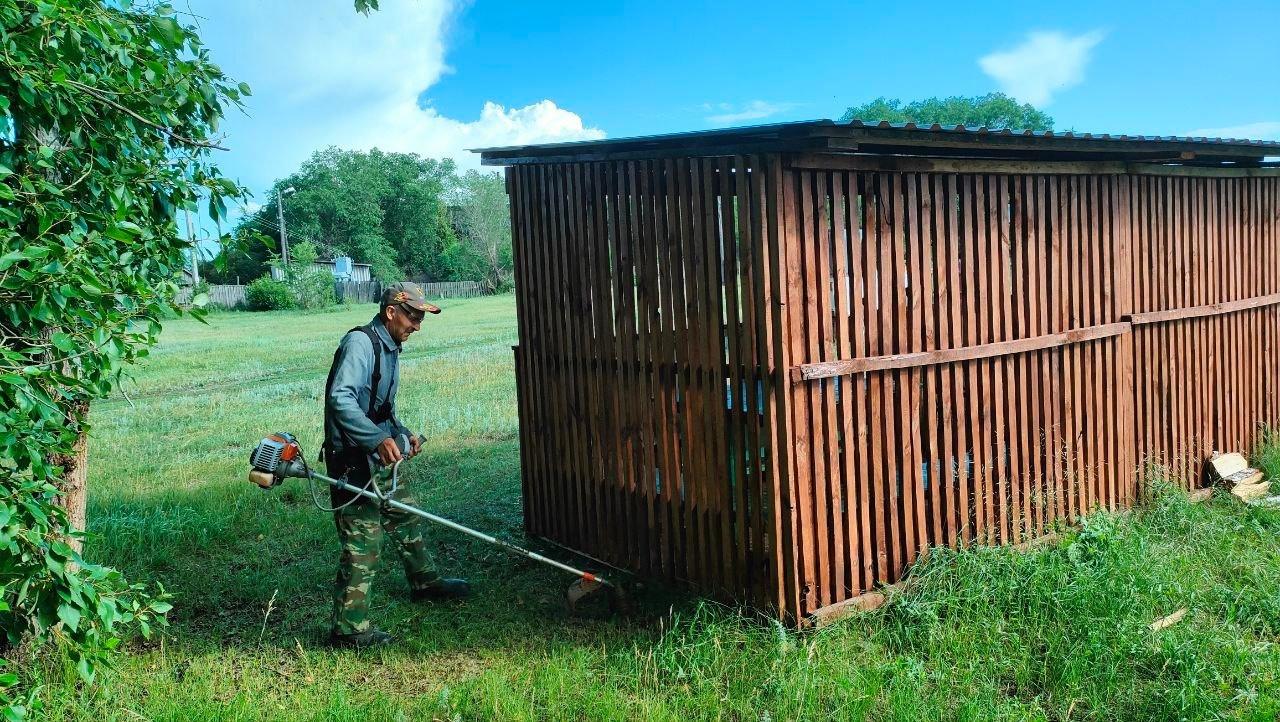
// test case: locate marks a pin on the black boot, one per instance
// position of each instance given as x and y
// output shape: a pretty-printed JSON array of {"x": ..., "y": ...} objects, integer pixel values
[
  {"x": 441, "y": 589},
  {"x": 361, "y": 640}
]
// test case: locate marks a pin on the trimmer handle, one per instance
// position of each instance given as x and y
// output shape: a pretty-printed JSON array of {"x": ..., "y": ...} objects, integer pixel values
[{"x": 402, "y": 442}]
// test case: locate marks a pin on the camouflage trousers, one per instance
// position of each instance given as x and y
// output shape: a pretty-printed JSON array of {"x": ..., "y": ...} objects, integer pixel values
[{"x": 362, "y": 526}]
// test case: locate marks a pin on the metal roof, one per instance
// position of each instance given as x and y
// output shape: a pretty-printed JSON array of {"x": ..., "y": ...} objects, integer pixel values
[{"x": 884, "y": 138}]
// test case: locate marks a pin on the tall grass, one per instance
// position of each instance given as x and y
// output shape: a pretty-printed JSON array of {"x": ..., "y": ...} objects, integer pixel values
[{"x": 1058, "y": 633}]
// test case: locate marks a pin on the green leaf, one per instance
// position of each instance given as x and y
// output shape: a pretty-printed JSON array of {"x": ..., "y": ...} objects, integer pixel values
[
  {"x": 85, "y": 668},
  {"x": 169, "y": 30},
  {"x": 70, "y": 616},
  {"x": 64, "y": 342},
  {"x": 161, "y": 607},
  {"x": 201, "y": 300},
  {"x": 245, "y": 90}
]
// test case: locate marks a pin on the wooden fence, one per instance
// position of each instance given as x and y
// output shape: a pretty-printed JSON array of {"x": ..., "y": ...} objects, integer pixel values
[
  {"x": 372, "y": 291},
  {"x": 782, "y": 379},
  {"x": 358, "y": 291},
  {"x": 226, "y": 296},
  {"x": 454, "y": 289}
]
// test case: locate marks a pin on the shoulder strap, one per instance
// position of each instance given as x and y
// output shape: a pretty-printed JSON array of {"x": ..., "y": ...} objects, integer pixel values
[{"x": 377, "y": 368}]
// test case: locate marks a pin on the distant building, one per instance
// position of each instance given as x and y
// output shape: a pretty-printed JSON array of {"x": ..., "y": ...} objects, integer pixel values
[{"x": 342, "y": 268}]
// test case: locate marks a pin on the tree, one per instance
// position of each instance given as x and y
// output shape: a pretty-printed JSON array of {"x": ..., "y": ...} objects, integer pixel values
[
  {"x": 384, "y": 209},
  {"x": 108, "y": 114},
  {"x": 242, "y": 259},
  {"x": 993, "y": 110},
  {"x": 483, "y": 250}
]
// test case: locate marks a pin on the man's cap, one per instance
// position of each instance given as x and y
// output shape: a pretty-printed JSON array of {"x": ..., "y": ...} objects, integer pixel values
[{"x": 409, "y": 294}]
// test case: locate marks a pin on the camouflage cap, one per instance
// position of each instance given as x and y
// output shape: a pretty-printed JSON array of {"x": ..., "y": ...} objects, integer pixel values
[{"x": 409, "y": 294}]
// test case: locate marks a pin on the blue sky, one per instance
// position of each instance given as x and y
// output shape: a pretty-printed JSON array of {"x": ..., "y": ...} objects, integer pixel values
[{"x": 437, "y": 77}]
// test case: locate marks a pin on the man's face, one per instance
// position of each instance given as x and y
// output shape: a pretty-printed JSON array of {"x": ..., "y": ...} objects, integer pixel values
[{"x": 402, "y": 321}]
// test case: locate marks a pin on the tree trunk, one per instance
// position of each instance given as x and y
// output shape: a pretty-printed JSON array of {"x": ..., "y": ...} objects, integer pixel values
[{"x": 73, "y": 489}]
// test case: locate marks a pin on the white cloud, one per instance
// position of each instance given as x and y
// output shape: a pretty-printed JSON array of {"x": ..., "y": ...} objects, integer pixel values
[
  {"x": 1044, "y": 64},
  {"x": 754, "y": 110},
  {"x": 248, "y": 209},
  {"x": 412, "y": 129},
  {"x": 1264, "y": 130},
  {"x": 324, "y": 75}
]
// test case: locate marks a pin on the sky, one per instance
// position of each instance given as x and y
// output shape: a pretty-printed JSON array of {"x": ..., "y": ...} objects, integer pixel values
[{"x": 437, "y": 77}]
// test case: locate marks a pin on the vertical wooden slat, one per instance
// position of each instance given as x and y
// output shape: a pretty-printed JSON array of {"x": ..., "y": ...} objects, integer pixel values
[
  {"x": 911, "y": 288},
  {"x": 756, "y": 357},
  {"x": 826, "y": 496},
  {"x": 736, "y": 443},
  {"x": 780, "y": 196},
  {"x": 811, "y": 517},
  {"x": 861, "y": 302},
  {"x": 947, "y": 290},
  {"x": 927, "y": 305},
  {"x": 846, "y": 572},
  {"x": 676, "y": 326},
  {"x": 714, "y": 389}
]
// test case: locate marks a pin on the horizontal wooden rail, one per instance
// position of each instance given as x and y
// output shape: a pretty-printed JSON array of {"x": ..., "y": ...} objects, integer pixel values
[
  {"x": 920, "y": 164},
  {"x": 827, "y": 369},
  {"x": 1212, "y": 309}
]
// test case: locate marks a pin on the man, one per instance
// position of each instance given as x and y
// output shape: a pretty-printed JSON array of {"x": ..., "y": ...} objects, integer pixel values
[{"x": 360, "y": 425}]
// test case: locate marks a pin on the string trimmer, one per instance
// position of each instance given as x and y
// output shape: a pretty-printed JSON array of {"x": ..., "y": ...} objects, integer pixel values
[{"x": 279, "y": 457}]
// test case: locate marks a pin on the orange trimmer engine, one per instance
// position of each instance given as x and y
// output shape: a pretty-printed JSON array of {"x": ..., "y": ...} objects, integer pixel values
[{"x": 275, "y": 459}]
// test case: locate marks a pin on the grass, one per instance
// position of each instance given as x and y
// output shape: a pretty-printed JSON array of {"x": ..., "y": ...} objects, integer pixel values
[{"x": 1058, "y": 633}]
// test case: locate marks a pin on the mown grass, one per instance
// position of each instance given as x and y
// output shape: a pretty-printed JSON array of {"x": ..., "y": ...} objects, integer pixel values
[{"x": 1057, "y": 633}]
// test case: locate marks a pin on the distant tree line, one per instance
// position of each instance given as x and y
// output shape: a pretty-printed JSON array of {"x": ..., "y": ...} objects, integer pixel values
[
  {"x": 405, "y": 215},
  {"x": 995, "y": 111}
]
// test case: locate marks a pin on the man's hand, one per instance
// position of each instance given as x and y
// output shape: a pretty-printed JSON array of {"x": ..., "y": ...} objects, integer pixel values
[
  {"x": 389, "y": 452},
  {"x": 415, "y": 445}
]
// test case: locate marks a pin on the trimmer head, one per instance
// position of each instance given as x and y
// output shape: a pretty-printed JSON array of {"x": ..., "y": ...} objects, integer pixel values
[{"x": 590, "y": 587}]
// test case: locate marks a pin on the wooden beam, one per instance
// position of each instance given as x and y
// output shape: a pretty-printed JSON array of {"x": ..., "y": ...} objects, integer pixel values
[
  {"x": 1212, "y": 309},
  {"x": 867, "y": 602},
  {"x": 919, "y": 164},
  {"x": 810, "y": 372},
  {"x": 1192, "y": 171},
  {"x": 692, "y": 151},
  {"x": 1058, "y": 141},
  {"x": 923, "y": 164}
]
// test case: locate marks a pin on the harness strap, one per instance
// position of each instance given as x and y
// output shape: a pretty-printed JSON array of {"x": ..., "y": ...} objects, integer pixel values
[{"x": 374, "y": 413}]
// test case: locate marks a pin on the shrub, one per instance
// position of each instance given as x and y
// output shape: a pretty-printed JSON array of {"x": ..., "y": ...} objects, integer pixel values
[
  {"x": 268, "y": 294},
  {"x": 312, "y": 287}
]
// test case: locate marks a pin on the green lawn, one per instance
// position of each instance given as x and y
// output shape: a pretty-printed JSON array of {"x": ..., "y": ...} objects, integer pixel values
[{"x": 1059, "y": 633}]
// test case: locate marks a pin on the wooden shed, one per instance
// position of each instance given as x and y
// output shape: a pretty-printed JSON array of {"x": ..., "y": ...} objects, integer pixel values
[{"x": 778, "y": 363}]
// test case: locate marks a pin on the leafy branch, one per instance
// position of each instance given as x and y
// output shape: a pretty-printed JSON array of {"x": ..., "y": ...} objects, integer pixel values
[{"x": 98, "y": 95}]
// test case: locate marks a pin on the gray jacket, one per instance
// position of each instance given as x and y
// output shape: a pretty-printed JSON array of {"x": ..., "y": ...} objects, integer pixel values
[{"x": 347, "y": 425}]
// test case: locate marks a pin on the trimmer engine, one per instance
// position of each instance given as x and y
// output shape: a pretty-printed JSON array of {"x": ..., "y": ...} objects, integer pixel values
[{"x": 275, "y": 459}]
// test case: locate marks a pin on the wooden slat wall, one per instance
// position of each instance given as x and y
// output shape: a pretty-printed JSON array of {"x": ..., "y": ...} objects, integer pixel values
[
  {"x": 988, "y": 450},
  {"x": 896, "y": 454},
  {"x": 653, "y": 435},
  {"x": 1204, "y": 383},
  {"x": 684, "y": 407}
]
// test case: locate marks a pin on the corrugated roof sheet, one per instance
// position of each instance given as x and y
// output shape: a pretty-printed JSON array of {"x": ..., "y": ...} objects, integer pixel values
[
  {"x": 937, "y": 128},
  {"x": 890, "y": 139}
]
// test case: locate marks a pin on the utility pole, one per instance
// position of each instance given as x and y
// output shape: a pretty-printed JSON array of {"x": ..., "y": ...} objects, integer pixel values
[
  {"x": 284, "y": 237},
  {"x": 195, "y": 251}
]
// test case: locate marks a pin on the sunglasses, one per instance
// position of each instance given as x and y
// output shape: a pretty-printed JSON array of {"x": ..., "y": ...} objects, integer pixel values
[{"x": 414, "y": 314}]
